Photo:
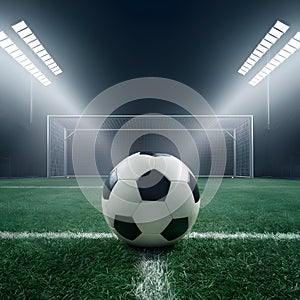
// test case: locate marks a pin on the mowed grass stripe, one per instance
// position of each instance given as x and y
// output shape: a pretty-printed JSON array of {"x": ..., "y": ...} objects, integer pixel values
[
  {"x": 192, "y": 235},
  {"x": 66, "y": 269}
]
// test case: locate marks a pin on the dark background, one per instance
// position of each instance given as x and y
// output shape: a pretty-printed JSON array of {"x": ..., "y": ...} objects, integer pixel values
[{"x": 101, "y": 43}]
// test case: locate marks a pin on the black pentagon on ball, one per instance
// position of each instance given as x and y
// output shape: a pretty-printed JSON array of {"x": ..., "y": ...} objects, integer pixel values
[
  {"x": 109, "y": 184},
  {"x": 153, "y": 186},
  {"x": 126, "y": 227},
  {"x": 194, "y": 187},
  {"x": 176, "y": 228}
]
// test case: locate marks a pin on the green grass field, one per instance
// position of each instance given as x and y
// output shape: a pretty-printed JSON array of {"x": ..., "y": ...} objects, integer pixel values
[{"x": 105, "y": 268}]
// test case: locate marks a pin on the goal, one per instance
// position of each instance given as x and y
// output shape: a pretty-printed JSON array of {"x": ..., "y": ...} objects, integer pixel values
[{"x": 149, "y": 133}]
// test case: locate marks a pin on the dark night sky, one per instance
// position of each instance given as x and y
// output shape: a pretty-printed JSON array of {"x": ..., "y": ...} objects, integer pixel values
[{"x": 199, "y": 43}]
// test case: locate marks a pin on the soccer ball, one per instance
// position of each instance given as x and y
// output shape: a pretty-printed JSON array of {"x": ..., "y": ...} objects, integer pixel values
[{"x": 150, "y": 199}]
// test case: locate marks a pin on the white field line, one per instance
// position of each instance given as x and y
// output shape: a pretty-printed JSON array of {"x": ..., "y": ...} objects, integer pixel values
[
  {"x": 243, "y": 236},
  {"x": 56, "y": 235},
  {"x": 48, "y": 187},
  {"x": 154, "y": 279},
  {"x": 193, "y": 235}
]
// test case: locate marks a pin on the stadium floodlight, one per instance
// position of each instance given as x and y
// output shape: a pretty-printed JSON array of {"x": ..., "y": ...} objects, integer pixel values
[
  {"x": 281, "y": 26},
  {"x": 259, "y": 54},
  {"x": 262, "y": 48},
  {"x": 273, "y": 35},
  {"x": 12, "y": 49},
  {"x": 289, "y": 48},
  {"x": 242, "y": 72},
  {"x": 294, "y": 43},
  {"x": 297, "y": 36},
  {"x": 35, "y": 45},
  {"x": 270, "y": 38},
  {"x": 275, "y": 32},
  {"x": 6, "y": 43},
  {"x": 271, "y": 67},
  {"x": 266, "y": 44},
  {"x": 279, "y": 58},
  {"x": 30, "y": 38},
  {"x": 254, "y": 57},
  {"x": 3, "y": 36},
  {"x": 286, "y": 51}
]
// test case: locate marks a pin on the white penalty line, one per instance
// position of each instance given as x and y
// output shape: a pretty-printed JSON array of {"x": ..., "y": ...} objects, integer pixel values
[
  {"x": 49, "y": 187},
  {"x": 192, "y": 235}
]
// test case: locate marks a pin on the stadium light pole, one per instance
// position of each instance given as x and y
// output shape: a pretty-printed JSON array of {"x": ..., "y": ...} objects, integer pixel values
[
  {"x": 268, "y": 99},
  {"x": 31, "y": 102}
]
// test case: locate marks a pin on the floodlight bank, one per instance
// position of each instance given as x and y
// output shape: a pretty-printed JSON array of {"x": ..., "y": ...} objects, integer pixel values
[
  {"x": 26, "y": 34},
  {"x": 12, "y": 49},
  {"x": 286, "y": 51},
  {"x": 273, "y": 35}
]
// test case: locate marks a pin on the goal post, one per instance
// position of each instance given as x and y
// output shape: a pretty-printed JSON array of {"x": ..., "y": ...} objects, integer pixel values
[{"x": 151, "y": 131}]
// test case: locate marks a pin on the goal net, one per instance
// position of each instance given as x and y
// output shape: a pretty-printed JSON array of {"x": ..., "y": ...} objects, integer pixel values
[{"x": 148, "y": 133}]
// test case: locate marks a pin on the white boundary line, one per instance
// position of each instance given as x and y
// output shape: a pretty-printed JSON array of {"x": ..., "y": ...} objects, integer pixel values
[
  {"x": 244, "y": 235},
  {"x": 55, "y": 235},
  {"x": 193, "y": 235},
  {"x": 49, "y": 187}
]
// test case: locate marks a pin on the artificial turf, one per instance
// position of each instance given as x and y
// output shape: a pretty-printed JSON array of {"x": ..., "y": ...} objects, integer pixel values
[{"x": 106, "y": 268}]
